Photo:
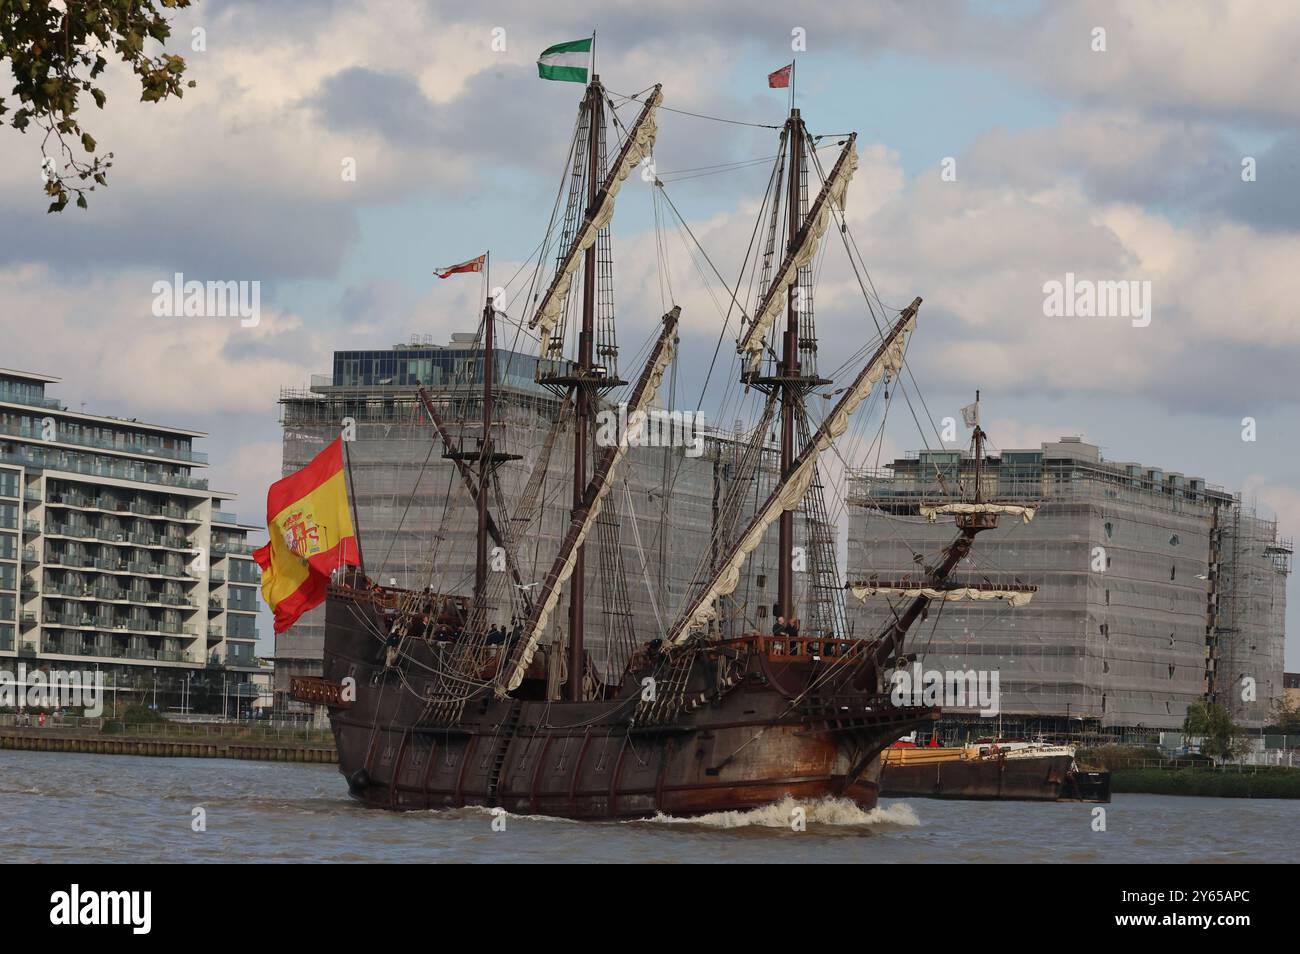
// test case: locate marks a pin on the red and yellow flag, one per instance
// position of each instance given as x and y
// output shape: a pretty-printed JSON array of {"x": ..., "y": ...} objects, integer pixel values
[{"x": 311, "y": 532}]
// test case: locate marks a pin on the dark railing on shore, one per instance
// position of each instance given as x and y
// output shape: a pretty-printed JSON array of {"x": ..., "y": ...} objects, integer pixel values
[
  {"x": 235, "y": 740},
  {"x": 213, "y": 731},
  {"x": 1173, "y": 765}
]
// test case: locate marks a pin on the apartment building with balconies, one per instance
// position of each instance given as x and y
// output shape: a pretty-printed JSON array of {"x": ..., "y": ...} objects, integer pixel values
[{"x": 114, "y": 554}]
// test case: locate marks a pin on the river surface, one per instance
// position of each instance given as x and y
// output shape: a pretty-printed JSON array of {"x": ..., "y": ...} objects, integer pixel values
[{"x": 63, "y": 807}]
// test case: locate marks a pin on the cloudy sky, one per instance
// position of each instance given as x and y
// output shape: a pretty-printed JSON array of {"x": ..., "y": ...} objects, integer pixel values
[{"x": 1122, "y": 164}]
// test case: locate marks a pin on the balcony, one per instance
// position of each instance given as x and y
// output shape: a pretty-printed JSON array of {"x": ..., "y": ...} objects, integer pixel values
[
  {"x": 136, "y": 626},
  {"x": 230, "y": 546},
  {"x": 99, "y": 468},
  {"x": 112, "y": 652},
  {"x": 76, "y": 440},
  {"x": 14, "y": 394},
  {"x": 69, "y": 530}
]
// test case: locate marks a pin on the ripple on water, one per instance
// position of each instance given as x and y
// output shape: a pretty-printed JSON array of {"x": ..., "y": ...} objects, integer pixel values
[{"x": 831, "y": 813}]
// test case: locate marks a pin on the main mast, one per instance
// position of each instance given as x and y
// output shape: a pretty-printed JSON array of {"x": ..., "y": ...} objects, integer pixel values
[
  {"x": 979, "y": 453},
  {"x": 789, "y": 370},
  {"x": 583, "y": 398}
]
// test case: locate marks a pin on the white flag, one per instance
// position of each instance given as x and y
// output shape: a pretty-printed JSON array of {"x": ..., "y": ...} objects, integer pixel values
[{"x": 970, "y": 415}]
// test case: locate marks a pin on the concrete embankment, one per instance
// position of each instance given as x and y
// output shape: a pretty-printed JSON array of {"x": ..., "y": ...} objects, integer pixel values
[{"x": 54, "y": 739}]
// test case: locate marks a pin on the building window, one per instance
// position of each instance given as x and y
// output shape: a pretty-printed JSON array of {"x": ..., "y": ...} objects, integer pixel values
[
  {"x": 1173, "y": 572},
  {"x": 1174, "y": 541},
  {"x": 1109, "y": 528}
]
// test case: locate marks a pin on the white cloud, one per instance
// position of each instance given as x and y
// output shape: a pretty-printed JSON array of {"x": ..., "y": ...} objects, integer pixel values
[{"x": 103, "y": 333}]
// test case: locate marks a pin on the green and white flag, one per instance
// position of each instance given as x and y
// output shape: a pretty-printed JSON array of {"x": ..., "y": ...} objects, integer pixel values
[{"x": 565, "y": 61}]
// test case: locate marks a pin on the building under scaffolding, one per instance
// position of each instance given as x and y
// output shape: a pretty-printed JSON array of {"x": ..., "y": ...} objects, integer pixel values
[
  {"x": 1154, "y": 589},
  {"x": 652, "y": 544}
]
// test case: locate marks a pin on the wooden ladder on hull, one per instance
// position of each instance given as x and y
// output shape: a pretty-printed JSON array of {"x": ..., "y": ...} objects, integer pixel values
[{"x": 505, "y": 735}]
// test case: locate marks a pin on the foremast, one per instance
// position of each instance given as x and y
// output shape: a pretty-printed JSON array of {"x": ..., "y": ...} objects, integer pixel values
[{"x": 790, "y": 380}]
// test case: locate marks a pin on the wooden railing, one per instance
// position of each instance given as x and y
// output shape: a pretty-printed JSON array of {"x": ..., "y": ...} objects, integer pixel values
[{"x": 800, "y": 648}]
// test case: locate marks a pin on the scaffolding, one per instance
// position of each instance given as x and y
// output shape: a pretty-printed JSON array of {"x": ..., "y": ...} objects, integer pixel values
[
  {"x": 408, "y": 500},
  {"x": 1148, "y": 583}
]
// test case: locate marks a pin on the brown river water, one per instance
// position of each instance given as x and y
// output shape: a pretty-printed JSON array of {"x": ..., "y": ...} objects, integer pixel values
[{"x": 61, "y": 807}]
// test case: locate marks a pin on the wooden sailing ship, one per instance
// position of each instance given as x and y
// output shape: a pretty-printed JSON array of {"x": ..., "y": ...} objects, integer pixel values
[{"x": 701, "y": 717}]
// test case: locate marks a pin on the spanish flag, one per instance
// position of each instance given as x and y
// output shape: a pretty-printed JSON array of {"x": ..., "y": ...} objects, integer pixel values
[{"x": 311, "y": 533}]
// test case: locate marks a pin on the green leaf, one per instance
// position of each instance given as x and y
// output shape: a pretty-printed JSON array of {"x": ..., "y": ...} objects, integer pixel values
[{"x": 88, "y": 142}]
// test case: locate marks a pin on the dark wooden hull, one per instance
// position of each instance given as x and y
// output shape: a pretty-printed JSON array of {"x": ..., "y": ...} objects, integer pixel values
[{"x": 742, "y": 732}]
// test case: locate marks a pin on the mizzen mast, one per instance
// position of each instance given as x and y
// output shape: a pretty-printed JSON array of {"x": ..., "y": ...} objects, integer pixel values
[{"x": 487, "y": 458}]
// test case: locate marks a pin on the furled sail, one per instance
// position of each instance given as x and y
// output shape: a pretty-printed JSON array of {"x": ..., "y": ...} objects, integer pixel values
[
  {"x": 1016, "y": 597},
  {"x": 931, "y": 513},
  {"x": 789, "y": 492},
  {"x": 640, "y": 140},
  {"x": 584, "y": 517},
  {"x": 800, "y": 254}
]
